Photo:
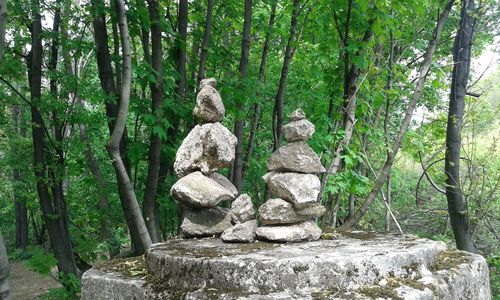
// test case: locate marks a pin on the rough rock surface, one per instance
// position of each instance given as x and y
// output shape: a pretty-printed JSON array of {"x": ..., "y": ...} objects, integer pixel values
[
  {"x": 312, "y": 211},
  {"x": 297, "y": 114},
  {"x": 198, "y": 190},
  {"x": 208, "y": 81},
  {"x": 242, "y": 232},
  {"x": 209, "y": 106},
  {"x": 205, "y": 222},
  {"x": 300, "y": 130},
  {"x": 295, "y": 157},
  {"x": 350, "y": 266},
  {"x": 242, "y": 209},
  {"x": 278, "y": 211},
  {"x": 304, "y": 231},
  {"x": 207, "y": 148},
  {"x": 300, "y": 189},
  {"x": 222, "y": 180}
]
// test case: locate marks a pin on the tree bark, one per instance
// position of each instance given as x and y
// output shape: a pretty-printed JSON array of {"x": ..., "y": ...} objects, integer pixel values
[
  {"x": 3, "y": 26},
  {"x": 262, "y": 79},
  {"x": 457, "y": 208},
  {"x": 53, "y": 214},
  {"x": 206, "y": 43},
  {"x": 108, "y": 85},
  {"x": 239, "y": 123},
  {"x": 149, "y": 202},
  {"x": 182, "y": 21},
  {"x": 422, "y": 75},
  {"x": 278, "y": 114},
  {"x": 113, "y": 146}
]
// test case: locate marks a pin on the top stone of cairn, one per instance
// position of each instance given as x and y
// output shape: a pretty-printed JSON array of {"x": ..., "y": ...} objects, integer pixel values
[
  {"x": 209, "y": 107},
  {"x": 297, "y": 115}
]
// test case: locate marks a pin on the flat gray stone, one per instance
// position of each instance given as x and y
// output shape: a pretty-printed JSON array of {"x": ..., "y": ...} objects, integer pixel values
[
  {"x": 209, "y": 106},
  {"x": 242, "y": 232},
  {"x": 295, "y": 157},
  {"x": 300, "y": 189},
  {"x": 200, "y": 191},
  {"x": 304, "y": 231},
  {"x": 207, "y": 148},
  {"x": 278, "y": 211},
  {"x": 205, "y": 222},
  {"x": 297, "y": 114},
  {"x": 300, "y": 130},
  {"x": 346, "y": 267},
  {"x": 223, "y": 181},
  {"x": 242, "y": 209},
  {"x": 313, "y": 211}
]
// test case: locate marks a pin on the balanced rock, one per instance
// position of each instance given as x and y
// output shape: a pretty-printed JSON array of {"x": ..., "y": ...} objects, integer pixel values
[
  {"x": 242, "y": 232},
  {"x": 295, "y": 157},
  {"x": 207, "y": 148},
  {"x": 205, "y": 222},
  {"x": 278, "y": 211},
  {"x": 208, "y": 81},
  {"x": 297, "y": 114},
  {"x": 300, "y": 130},
  {"x": 209, "y": 106},
  {"x": 222, "y": 180},
  {"x": 300, "y": 189},
  {"x": 307, "y": 230},
  {"x": 242, "y": 209},
  {"x": 197, "y": 190},
  {"x": 312, "y": 211}
]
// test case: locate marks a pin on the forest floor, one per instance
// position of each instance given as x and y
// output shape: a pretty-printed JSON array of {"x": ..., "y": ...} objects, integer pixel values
[{"x": 27, "y": 285}]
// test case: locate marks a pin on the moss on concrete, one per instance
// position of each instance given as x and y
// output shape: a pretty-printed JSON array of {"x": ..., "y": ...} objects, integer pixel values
[
  {"x": 132, "y": 267},
  {"x": 449, "y": 259}
]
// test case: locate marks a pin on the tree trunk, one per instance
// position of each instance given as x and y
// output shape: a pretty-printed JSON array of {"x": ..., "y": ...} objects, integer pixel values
[
  {"x": 239, "y": 123},
  {"x": 3, "y": 23},
  {"x": 422, "y": 75},
  {"x": 182, "y": 21},
  {"x": 108, "y": 85},
  {"x": 262, "y": 79},
  {"x": 53, "y": 215},
  {"x": 4, "y": 271},
  {"x": 457, "y": 209},
  {"x": 113, "y": 146},
  {"x": 206, "y": 42},
  {"x": 389, "y": 203},
  {"x": 278, "y": 114},
  {"x": 149, "y": 202}
]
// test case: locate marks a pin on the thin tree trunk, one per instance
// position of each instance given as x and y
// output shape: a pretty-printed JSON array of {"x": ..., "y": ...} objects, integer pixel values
[
  {"x": 59, "y": 237},
  {"x": 278, "y": 114},
  {"x": 239, "y": 123},
  {"x": 386, "y": 130},
  {"x": 422, "y": 75},
  {"x": 262, "y": 79},
  {"x": 389, "y": 203},
  {"x": 182, "y": 21},
  {"x": 149, "y": 202},
  {"x": 3, "y": 23},
  {"x": 206, "y": 42},
  {"x": 113, "y": 145},
  {"x": 108, "y": 85},
  {"x": 457, "y": 207}
]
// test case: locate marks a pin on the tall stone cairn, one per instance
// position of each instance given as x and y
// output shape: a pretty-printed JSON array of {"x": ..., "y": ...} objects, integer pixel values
[
  {"x": 293, "y": 181},
  {"x": 207, "y": 148}
]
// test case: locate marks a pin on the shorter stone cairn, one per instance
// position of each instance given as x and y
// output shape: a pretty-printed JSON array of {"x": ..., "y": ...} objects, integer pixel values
[
  {"x": 293, "y": 181},
  {"x": 207, "y": 148}
]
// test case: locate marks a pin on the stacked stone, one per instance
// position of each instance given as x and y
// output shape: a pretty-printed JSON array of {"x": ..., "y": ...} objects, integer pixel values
[
  {"x": 208, "y": 148},
  {"x": 293, "y": 181}
]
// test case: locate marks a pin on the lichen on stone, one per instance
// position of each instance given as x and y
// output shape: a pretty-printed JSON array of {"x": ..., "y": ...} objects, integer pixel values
[{"x": 449, "y": 259}]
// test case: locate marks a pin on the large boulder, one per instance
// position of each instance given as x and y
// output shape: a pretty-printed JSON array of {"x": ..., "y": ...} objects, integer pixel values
[
  {"x": 278, "y": 211},
  {"x": 209, "y": 106},
  {"x": 295, "y": 157},
  {"x": 242, "y": 232},
  {"x": 300, "y": 130},
  {"x": 207, "y": 148},
  {"x": 242, "y": 209},
  {"x": 205, "y": 222},
  {"x": 199, "y": 191},
  {"x": 305, "y": 231},
  {"x": 300, "y": 189}
]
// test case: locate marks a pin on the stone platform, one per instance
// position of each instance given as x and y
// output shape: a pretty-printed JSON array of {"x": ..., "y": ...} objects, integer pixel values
[{"x": 354, "y": 265}]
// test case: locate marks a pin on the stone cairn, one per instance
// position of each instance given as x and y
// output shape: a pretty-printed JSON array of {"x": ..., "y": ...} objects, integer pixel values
[
  {"x": 292, "y": 179},
  {"x": 209, "y": 147}
]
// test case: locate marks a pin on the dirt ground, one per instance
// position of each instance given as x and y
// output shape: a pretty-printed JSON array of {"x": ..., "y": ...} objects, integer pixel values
[{"x": 26, "y": 284}]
